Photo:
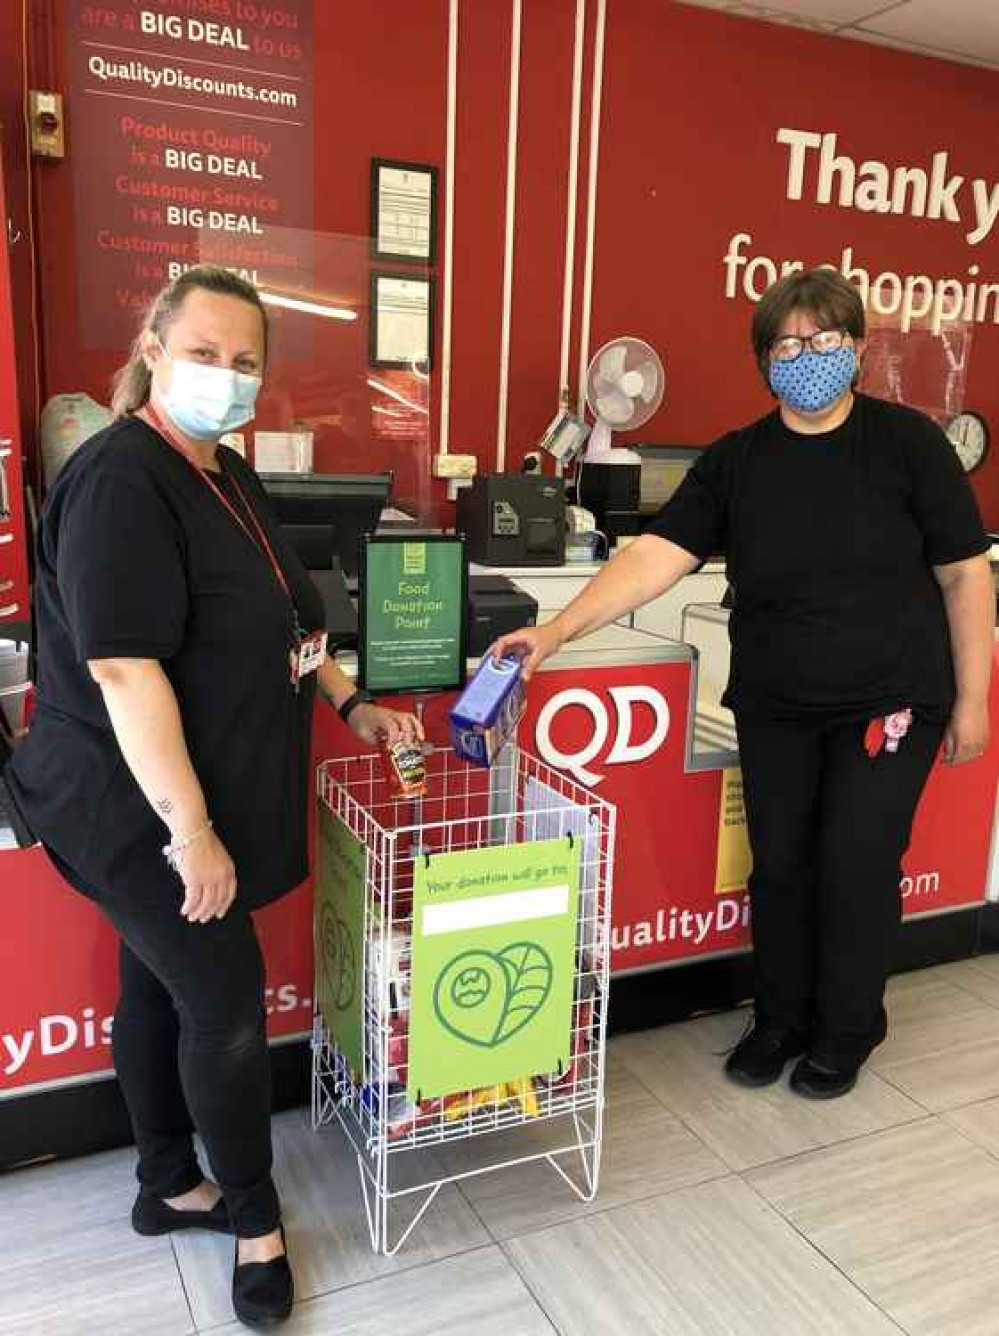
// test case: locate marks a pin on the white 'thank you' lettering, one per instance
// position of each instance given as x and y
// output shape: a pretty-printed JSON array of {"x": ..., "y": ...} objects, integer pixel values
[{"x": 815, "y": 166}]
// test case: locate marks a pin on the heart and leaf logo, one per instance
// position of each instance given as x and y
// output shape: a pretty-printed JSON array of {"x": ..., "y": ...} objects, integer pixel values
[
  {"x": 338, "y": 958},
  {"x": 487, "y": 997}
]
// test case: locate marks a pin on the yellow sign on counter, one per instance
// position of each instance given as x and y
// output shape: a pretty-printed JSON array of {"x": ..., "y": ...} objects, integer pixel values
[{"x": 735, "y": 858}]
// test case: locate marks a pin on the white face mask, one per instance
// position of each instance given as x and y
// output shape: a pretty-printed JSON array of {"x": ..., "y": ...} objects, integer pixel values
[{"x": 207, "y": 401}]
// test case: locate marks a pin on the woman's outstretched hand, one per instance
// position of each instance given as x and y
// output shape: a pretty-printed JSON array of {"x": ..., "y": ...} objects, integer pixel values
[
  {"x": 531, "y": 644},
  {"x": 375, "y": 725}
]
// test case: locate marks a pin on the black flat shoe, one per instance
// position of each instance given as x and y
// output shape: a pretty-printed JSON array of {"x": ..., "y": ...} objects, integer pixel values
[
  {"x": 760, "y": 1056},
  {"x": 152, "y": 1215},
  {"x": 262, "y": 1292},
  {"x": 813, "y": 1082}
]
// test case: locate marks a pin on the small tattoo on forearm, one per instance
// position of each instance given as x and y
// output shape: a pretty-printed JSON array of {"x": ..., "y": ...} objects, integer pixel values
[{"x": 165, "y": 806}]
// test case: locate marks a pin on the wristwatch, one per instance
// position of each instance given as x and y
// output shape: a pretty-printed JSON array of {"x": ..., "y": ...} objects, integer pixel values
[{"x": 359, "y": 697}]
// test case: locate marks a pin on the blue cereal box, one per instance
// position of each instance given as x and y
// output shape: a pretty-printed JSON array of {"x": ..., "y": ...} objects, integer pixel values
[{"x": 488, "y": 711}]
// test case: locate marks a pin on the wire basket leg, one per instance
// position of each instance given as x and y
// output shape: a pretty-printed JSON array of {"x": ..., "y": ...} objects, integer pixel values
[
  {"x": 390, "y": 1250},
  {"x": 589, "y": 1156},
  {"x": 317, "y": 1098},
  {"x": 372, "y": 1208},
  {"x": 324, "y": 1096},
  {"x": 589, "y": 1144},
  {"x": 378, "y": 1199}
]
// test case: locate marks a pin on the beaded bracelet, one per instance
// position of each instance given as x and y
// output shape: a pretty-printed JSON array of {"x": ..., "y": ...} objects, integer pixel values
[{"x": 172, "y": 852}]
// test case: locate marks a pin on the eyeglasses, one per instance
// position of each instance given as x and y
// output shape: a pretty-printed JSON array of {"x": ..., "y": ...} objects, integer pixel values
[{"x": 823, "y": 341}]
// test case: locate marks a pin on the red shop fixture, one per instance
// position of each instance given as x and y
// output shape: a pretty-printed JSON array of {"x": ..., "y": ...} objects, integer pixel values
[{"x": 14, "y": 593}]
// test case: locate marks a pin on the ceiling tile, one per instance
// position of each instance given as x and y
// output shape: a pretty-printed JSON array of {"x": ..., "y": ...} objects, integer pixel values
[
  {"x": 962, "y": 27},
  {"x": 729, "y": 6},
  {"x": 962, "y": 30},
  {"x": 826, "y": 11},
  {"x": 809, "y": 13},
  {"x": 770, "y": 14},
  {"x": 916, "y": 48}
]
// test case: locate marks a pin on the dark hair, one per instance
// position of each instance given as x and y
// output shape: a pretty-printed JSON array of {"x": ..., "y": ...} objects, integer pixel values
[
  {"x": 132, "y": 382},
  {"x": 824, "y": 293}
]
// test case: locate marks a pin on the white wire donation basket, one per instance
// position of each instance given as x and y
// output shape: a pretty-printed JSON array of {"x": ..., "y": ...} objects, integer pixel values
[{"x": 408, "y": 1146}]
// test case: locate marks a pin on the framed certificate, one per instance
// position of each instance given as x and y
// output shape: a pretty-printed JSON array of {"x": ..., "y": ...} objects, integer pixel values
[
  {"x": 403, "y": 211},
  {"x": 402, "y": 321}
]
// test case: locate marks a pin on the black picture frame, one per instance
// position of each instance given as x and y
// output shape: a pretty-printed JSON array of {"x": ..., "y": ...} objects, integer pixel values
[
  {"x": 378, "y": 165},
  {"x": 375, "y": 357},
  {"x": 363, "y": 655}
]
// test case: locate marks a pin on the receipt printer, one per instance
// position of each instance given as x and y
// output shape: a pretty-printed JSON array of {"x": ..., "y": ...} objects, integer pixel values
[
  {"x": 513, "y": 519},
  {"x": 496, "y": 606}
]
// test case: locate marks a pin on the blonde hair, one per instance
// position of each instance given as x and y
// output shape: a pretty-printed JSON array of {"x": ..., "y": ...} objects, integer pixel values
[{"x": 132, "y": 382}]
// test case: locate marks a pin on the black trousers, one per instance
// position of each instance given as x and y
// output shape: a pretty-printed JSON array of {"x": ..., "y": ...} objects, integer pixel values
[
  {"x": 828, "y": 827},
  {"x": 190, "y": 1050}
]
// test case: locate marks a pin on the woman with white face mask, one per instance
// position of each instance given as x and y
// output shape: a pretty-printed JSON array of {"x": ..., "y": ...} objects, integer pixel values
[
  {"x": 862, "y": 635},
  {"x": 176, "y": 633}
]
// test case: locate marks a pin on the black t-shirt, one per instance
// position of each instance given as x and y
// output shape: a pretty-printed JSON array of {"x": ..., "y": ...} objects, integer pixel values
[
  {"x": 830, "y": 543},
  {"x": 139, "y": 559}
]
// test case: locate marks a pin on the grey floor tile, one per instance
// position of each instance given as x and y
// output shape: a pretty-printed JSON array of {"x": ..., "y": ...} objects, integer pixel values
[
  {"x": 911, "y": 1216},
  {"x": 478, "y": 1293},
  {"x": 316, "y": 1174},
  {"x": 90, "y": 1280},
  {"x": 681, "y": 1065},
  {"x": 979, "y": 1123},
  {"x": 646, "y": 1152},
  {"x": 979, "y": 976},
  {"x": 943, "y": 1044},
  {"x": 897, "y": 1209},
  {"x": 91, "y": 1190},
  {"x": 713, "y": 1260}
]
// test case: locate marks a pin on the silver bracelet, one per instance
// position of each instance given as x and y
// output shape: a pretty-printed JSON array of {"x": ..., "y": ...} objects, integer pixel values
[{"x": 172, "y": 852}]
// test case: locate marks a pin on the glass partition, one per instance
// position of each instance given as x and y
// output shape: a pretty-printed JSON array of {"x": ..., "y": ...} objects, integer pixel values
[
  {"x": 713, "y": 742},
  {"x": 349, "y": 362},
  {"x": 923, "y": 368}
]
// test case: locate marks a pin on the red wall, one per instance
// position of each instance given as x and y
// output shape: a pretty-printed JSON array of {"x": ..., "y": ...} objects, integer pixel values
[
  {"x": 691, "y": 103},
  {"x": 15, "y": 166}
]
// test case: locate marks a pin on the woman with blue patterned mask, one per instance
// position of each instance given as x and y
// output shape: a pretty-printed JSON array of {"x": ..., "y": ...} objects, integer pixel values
[{"x": 862, "y": 632}]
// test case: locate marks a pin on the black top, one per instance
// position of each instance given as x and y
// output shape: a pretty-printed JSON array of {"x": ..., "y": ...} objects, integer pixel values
[
  {"x": 139, "y": 559},
  {"x": 830, "y": 542}
]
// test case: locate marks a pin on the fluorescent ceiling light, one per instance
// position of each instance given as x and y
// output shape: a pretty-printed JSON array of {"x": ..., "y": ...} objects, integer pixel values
[
  {"x": 399, "y": 398},
  {"x": 312, "y": 308}
]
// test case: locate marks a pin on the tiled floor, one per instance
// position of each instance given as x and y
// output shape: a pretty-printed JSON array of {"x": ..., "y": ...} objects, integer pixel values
[{"x": 722, "y": 1212}]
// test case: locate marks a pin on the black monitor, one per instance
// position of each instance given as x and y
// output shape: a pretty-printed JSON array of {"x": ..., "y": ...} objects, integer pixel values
[
  {"x": 315, "y": 545},
  {"x": 348, "y": 503}
]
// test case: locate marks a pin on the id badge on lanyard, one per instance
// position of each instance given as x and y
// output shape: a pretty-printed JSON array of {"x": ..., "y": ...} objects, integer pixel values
[{"x": 308, "y": 657}]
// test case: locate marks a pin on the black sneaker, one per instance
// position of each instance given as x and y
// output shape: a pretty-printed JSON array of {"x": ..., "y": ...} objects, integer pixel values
[
  {"x": 760, "y": 1056},
  {"x": 814, "y": 1081}
]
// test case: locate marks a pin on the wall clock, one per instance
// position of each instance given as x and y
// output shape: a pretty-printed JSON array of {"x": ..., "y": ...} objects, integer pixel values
[{"x": 968, "y": 433}]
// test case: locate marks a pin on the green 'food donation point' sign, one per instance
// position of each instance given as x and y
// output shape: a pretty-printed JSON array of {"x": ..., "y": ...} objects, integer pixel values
[{"x": 413, "y": 597}]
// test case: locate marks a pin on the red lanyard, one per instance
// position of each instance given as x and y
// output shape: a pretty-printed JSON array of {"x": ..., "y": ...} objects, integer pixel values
[{"x": 260, "y": 541}]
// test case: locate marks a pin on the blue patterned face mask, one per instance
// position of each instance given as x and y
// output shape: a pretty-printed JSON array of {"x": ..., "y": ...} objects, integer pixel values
[{"x": 814, "y": 381}]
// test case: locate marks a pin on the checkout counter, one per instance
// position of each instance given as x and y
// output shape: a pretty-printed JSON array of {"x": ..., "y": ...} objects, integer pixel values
[{"x": 633, "y": 712}]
